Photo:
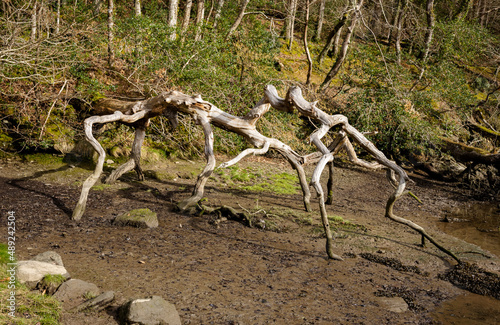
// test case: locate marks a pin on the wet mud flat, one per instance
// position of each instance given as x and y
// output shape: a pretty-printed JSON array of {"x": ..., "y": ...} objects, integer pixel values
[{"x": 220, "y": 271}]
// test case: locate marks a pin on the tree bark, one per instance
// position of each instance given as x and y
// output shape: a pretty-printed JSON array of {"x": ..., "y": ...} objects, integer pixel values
[
  {"x": 321, "y": 17},
  {"x": 239, "y": 18},
  {"x": 218, "y": 12},
  {"x": 463, "y": 9},
  {"x": 137, "y": 8},
  {"x": 306, "y": 46},
  {"x": 34, "y": 21},
  {"x": 187, "y": 16},
  {"x": 111, "y": 51},
  {"x": 58, "y": 16},
  {"x": 172, "y": 18},
  {"x": 200, "y": 16},
  {"x": 345, "y": 46},
  {"x": 290, "y": 22},
  {"x": 399, "y": 29},
  {"x": 333, "y": 37}
]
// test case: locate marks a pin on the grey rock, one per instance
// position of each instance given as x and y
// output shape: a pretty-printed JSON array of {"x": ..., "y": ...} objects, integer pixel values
[
  {"x": 98, "y": 303},
  {"x": 394, "y": 304},
  {"x": 31, "y": 272},
  {"x": 141, "y": 218},
  {"x": 72, "y": 292},
  {"x": 49, "y": 257},
  {"x": 150, "y": 311}
]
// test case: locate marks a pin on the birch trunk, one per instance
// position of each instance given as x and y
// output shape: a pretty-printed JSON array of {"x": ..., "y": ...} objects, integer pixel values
[
  {"x": 333, "y": 37},
  {"x": 137, "y": 8},
  {"x": 200, "y": 16},
  {"x": 321, "y": 17},
  {"x": 111, "y": 51},
  {"x": 345, "y": 46},
  {"x": 172, "y": 18},
  {"x": 239, "y": 18},
  {"x": 187, "y": 16}
]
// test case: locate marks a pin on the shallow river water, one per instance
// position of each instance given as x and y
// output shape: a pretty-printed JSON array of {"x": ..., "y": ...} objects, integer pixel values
[{"x": 477, "y": 224}]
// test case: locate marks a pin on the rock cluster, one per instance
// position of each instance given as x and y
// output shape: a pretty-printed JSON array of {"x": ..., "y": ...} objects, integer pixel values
[{"x": 47, "y": 273}]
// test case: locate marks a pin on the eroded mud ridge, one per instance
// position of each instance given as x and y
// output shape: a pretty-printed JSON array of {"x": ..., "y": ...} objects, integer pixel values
[
  {"x": 393, "y": 263},
  {"x": 413, "y": 297},
  {"x": 475, "y": 279}
]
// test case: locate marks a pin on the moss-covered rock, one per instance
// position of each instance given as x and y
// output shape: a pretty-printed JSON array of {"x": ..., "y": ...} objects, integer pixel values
[{"x": 141, "y": 218}]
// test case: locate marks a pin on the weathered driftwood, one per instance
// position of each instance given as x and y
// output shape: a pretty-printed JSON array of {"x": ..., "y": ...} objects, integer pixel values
[
  {"x": 294, "y": 99},
  {"x": 204, "y": 113}
]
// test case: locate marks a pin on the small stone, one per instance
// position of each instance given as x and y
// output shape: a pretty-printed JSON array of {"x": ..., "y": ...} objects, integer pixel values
[
  {"x": 98, "y": 303},
  {"x": 395, "y": 304},
  {"x": 31, "y": 272},
  {"x": 150, "y": 311},
  {"x": 49, "y": 257},
  {"x": 141, "y": 218},
  {"x": 73, "y": 292},
  {"x": 109, "y": 162}
]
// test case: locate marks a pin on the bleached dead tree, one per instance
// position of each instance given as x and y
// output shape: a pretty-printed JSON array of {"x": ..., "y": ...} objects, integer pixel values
[{"x": 206, "y": 114}]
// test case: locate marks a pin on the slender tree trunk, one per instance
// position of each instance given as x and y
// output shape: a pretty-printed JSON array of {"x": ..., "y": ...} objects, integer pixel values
[
  {"x": 321, "y": 17},
  {"x": 345, "y": 46},
  {"x": 137, "y": 8},
  {"x": 306, "y": 47},
  {"x": 58, "y": 16},
  {"x": 333, "y": 37},
  {"x": 399, "y": 30},
  {"x": 34, "y": 22},
  {"x": 218, "y": 12},
  {"x": 111, "y": 52},
  {"x": 394, "y": 23},
  {"x": 239, "y": 18},
  {"x": 290, "y": 22},
  {"x": 431, "y": 21},
  {"x": 172, "y": 18},
  {"x": 97, "y": 7},
  {"x": 185, "y": 21},
  {"x": 463, "y": 10},
  {"x": 200, "y": 15}
]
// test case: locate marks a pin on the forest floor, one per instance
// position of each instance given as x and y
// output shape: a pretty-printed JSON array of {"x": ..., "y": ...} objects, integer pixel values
[{"x": 218, "y": 271}]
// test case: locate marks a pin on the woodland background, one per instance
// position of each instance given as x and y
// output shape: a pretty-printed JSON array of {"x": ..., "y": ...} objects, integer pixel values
[{"x": 421, "y": 73}]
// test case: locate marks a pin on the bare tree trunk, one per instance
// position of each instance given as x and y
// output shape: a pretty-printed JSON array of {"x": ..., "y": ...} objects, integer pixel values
[
  {"x": 239, "y": 18},
  {"x": 172, "y": 18},
  {"x": 399, "y": 30},
  {"x": 187, "y": 16},
  {"x": 345, "y": 46},
  {"x": 306, "y": 47},
  {"x": 463, "y": 10},
  {"x": 111, "y": 51},
  {"x": 218, "y": 12},
  {"x": 200, "y": 16},
  {"x": 58, "y": 16},
  {"x": 333, "y": 37},
  {"x": 428, "y": 39},
  {"x": 137, "y": 8},
  {"x": 34, "y": 21},
  {"x": 290, "y": 22},
  {"x": 321, "y": 17},
  {"x": 97, "y": 7}
]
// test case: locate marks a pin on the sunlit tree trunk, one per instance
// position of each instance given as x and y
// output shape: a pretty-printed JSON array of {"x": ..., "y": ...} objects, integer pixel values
[
  {"x": 345, "y": 46},
  {"x": 463, "y": 9},
  {"x": 306, "y": 46},
  {"x": 34, "y": 21},
  {"x": 187, "y": 16},
  {"x": 111, "y": 52},
  {"x": 431, "y": 21},
  {"x": 58, "y": 16},
  {"x": 172, "y": 18},
  {"x": 218, "y": 12},
  {"x": 333, "y": 37},
  {"x": 200, "y": 15},
  {"x": 137, "y": 8},
  {"x": 97, "y": 7},
  {"x": 290, "y": 22},
  {"x": 321, "y": 17},
  {"x": 399, "y": 29},
  {"x": 239, "y": 19}
]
